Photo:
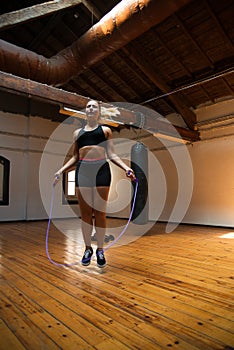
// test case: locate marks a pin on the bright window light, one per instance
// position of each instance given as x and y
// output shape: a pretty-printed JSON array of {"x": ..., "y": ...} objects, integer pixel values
[
  {"x": 71, "y": 189},
  {"x": 229, "y": 235}
]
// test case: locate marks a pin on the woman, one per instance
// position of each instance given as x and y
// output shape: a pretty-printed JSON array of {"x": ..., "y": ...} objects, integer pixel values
[{"x": 92, "y": 145}]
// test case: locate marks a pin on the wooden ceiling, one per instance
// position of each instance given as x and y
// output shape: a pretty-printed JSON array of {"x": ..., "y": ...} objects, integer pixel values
[{"x": 182, "y": 63}]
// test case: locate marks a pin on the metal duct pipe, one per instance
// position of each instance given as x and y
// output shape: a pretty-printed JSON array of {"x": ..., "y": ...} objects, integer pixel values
[{"x": 126, "y": 21}]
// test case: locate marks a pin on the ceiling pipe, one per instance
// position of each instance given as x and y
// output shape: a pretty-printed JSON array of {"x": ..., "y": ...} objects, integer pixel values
[{"x": 125, "y": 22}]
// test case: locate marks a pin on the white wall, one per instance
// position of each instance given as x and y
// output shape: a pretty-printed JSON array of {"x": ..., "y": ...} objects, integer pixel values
[
  {"x": 13, "y": 147},
  {"x": 213, "y": 196},
  {"x": 212, "y": 201},
  {"x": 23, "y": 140}
]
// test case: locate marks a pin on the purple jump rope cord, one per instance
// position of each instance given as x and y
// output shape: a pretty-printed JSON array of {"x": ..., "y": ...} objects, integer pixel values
[
  {"x": 110, "y": 245},
  {"x": 129, "y": 219}
]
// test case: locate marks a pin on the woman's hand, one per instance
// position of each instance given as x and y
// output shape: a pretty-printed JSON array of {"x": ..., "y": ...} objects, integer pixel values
[
  {"x": 130, "y": 173},
  {"x": 57, "y": 177}
]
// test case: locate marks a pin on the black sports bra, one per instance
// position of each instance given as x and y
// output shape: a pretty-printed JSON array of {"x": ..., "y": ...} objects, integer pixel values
[{"x": 91, "y": 138}]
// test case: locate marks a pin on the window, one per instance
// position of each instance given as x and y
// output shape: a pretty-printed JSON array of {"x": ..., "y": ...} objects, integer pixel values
[
  {"x": 4, "y": 180},
  {"x": 69, "y": 188}
]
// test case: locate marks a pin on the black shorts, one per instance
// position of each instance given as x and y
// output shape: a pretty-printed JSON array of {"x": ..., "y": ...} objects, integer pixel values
[{"x": 95, "y": 173}]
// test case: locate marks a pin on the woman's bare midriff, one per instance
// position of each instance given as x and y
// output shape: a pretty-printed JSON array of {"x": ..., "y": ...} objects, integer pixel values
[{"x": 92, "y": 152}]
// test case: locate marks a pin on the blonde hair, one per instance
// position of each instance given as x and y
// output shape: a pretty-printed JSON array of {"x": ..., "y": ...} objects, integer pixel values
[{"x": 109, "y": 112}]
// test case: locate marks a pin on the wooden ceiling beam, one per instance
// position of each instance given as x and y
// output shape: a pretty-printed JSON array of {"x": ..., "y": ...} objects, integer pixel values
[
  {"x": 156, "y": 77},
  {"x": 38, "y": 90},
  {"x": 57, "y": 96},
  {"x": 27, "y": 14}
]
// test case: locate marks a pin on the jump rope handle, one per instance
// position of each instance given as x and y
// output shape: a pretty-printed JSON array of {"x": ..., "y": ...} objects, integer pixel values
[
  {"x": 129, "y": 174},
  {"x": 56, "y": 179}
]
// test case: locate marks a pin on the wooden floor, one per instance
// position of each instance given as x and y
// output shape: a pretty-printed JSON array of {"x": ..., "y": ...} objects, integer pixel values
[{"x": 161, "y": 291}]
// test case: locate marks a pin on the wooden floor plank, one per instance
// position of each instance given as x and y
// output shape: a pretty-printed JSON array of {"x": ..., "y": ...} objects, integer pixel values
[
  {"x": 194, "y": 321},
  {"x": 160, "y": 291},
  {"x": 8, "y": 338},
  {"x": 42, "y": 306},
  {"x": 29, "y": 335},
  {"x": 87, "y": 312}
]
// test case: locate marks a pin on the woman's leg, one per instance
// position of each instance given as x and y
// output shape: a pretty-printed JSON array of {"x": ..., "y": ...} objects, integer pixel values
[
  {"x": 100, "y": 196},
  {"x": 85, "y": 200}
]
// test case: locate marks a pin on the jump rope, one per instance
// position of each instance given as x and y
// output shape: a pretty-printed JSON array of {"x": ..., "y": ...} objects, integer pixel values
[{"x": 105, "y": 248}]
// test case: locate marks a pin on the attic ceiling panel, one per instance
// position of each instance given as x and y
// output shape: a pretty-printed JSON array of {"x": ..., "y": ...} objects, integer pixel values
[
  {"x": 90, "y": 87},
  {"x": 186, "y": 50},
  {"x": 33, "y": 41},
  {"x": 197, "y": 96},
  {"x": 217, "y": 90},
  {"x": 105, "y": 82},
  {"x": 212, "y": 42},
  {"x": 104, "y": 6},
  {"x": 54, "y": 39},
  {"x": 64, "y": 34},
  {"x": 119, "y": 79},
  {"x": 224, "y": 12},
  {"x": 230, "y": 80},
  {"x": 47, "y": 48},
  {"x": 23, "y": 34},
  {"x": 125, "y": 72},
  {"x": 78, "y": 19},
  {"x": 226, "y": 20},
  {"x": 150, "y": 93},
  {"x": 207, "y": 27},
  {"x": 79, "y": 89},
  {"x": 16, "y": 36},
  {"x": 110, "y": 92},
  {"x": 27, "y": 33},
  {"x": 159, "y": 56},
  {"x": 168, "y": 55},
  {"x": 141, "y": 79},
  {"x": 161, "y": 106}
]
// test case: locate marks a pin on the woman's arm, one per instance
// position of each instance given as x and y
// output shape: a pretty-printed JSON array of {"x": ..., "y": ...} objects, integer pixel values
[
  {"x": 113, "y": 156},
  {"x": 72, "y": 161}
]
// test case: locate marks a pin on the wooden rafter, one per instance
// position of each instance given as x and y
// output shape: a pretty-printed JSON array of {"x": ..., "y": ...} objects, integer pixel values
[
  {"x": 27, "y": 14},
  {"x": 60, "y": 97}
]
